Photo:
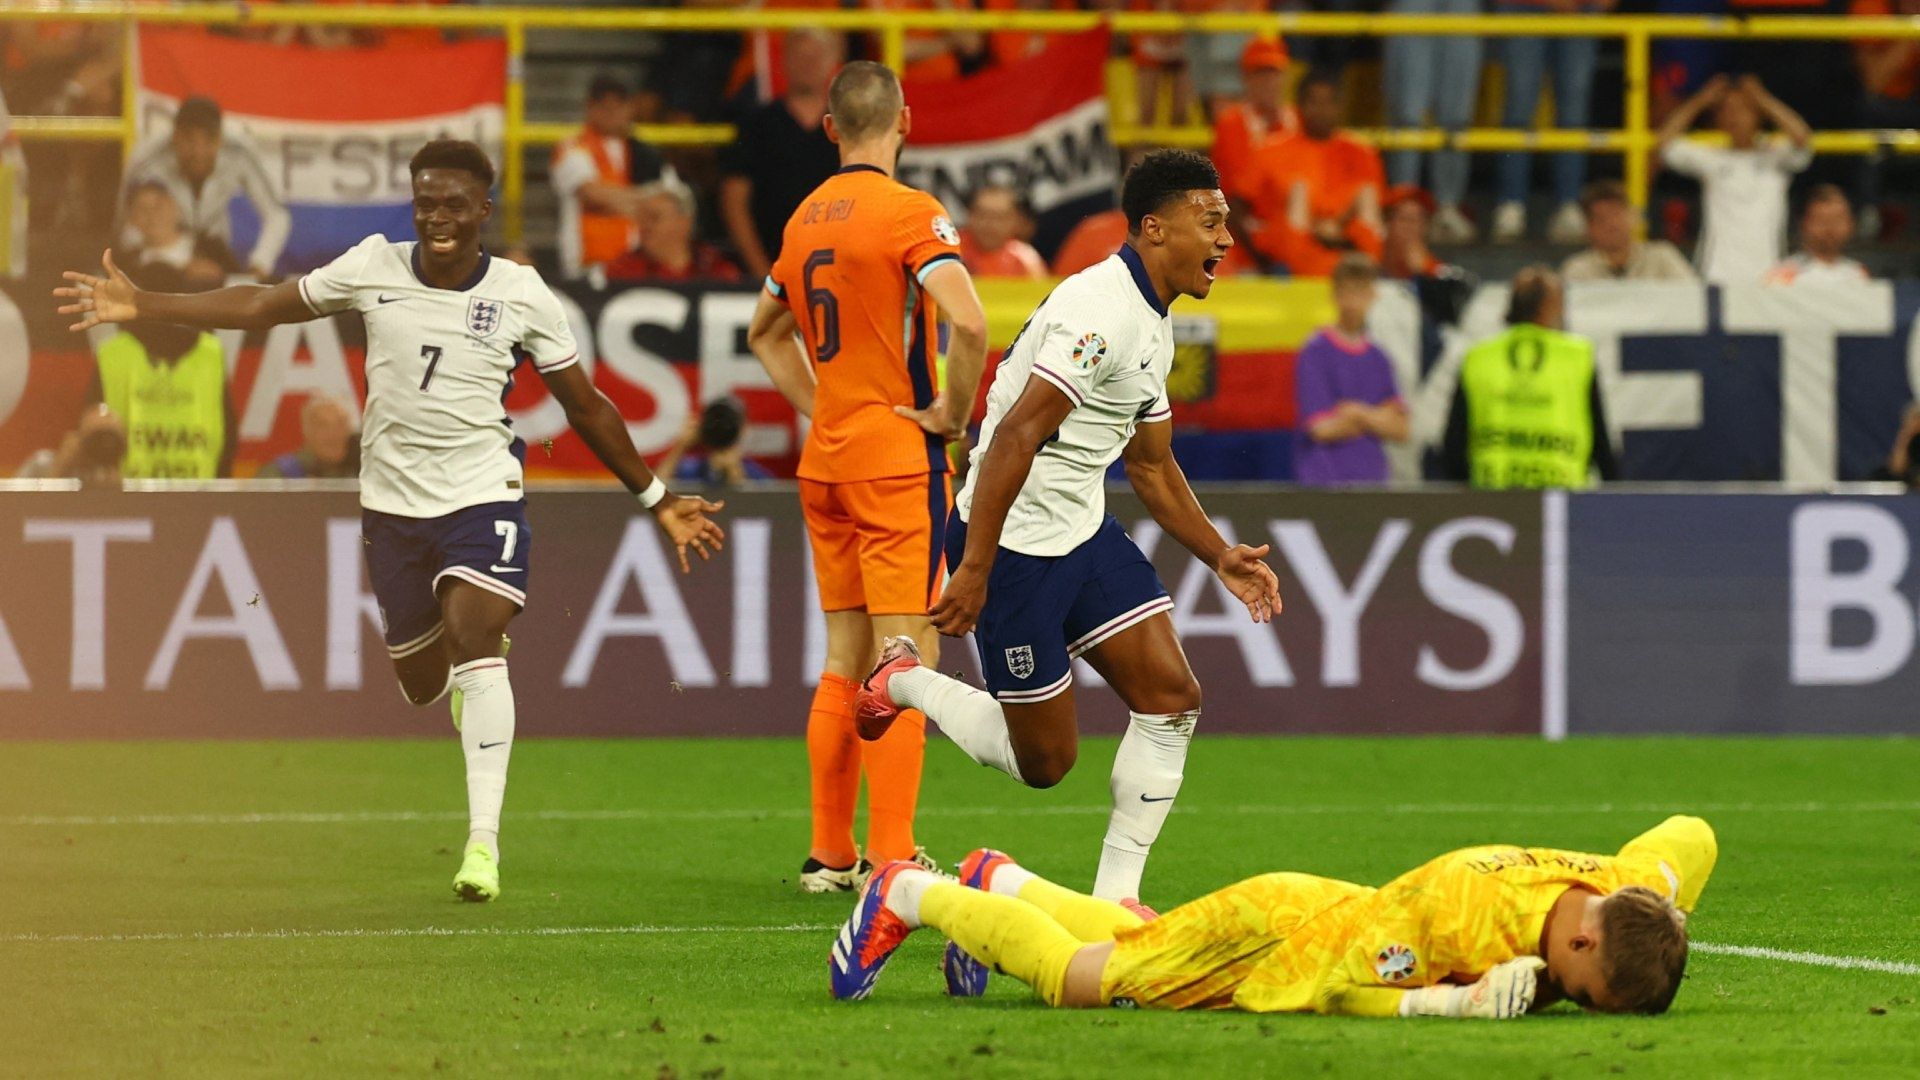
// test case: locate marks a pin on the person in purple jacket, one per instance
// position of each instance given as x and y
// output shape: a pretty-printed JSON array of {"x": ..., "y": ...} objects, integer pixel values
[{"x": 1348, "y": 402}]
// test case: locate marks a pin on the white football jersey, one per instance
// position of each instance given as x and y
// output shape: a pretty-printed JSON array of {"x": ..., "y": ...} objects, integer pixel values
[
  {"x": 435, "y": 437},
  {"x": 1102, "y": 339}
]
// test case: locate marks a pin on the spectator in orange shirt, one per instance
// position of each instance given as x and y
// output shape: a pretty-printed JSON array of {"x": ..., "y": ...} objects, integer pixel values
[
  {"x": 1889, "y": 97},
  {"x": 937, "y": 55},
  {"x": 1096, "y": 237},
  {"x": 1318, "y": 192},
  {"x": 1242, "y": 127},
  {"x": 1007, "y": 47},
  {"x": 990, "y": 245}
]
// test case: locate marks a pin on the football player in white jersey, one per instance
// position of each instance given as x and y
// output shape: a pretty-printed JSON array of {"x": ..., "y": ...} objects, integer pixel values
[
  {"x": 440, "y": 477},
  {"x": 1041, "y": 573}
]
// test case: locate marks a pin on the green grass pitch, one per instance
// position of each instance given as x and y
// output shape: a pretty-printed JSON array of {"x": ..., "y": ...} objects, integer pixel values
[{"x": 195, "y": 909}]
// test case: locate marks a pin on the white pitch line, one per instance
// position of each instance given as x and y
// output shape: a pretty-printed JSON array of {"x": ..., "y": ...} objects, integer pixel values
[
  {"x": 409, "y": 932},
  {"x": 370, "y": 817},
  {"x": 1791, "y": 956},
  {"x": 1755, "y": 952}
]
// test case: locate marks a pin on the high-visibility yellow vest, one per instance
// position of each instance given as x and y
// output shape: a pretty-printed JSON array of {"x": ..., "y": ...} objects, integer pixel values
[
  {"x": 175, "y": 414},
  {"x": 1529, "y": 420}
]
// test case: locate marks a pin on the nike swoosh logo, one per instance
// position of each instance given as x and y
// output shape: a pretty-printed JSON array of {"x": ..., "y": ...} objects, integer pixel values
[
  {"x": 1145, "y": 364},
  {"x": 1163, "y": 798},
  {"x": 385, "y": 299},
  {"x": 491, "y": 745},
  {"x": 504, "y": 569}
]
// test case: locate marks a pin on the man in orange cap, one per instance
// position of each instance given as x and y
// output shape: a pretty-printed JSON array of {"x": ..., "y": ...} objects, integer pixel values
[{"x": 1242, "y": 127}]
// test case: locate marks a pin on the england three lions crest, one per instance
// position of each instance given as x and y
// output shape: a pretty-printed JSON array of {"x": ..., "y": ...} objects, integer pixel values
[
  {"x": 483, "y": 316},
  {"x": 1020, "y": 661}
]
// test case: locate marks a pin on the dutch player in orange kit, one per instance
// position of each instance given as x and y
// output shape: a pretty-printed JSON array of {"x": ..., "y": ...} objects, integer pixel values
[{"x": 864, "y": 265}]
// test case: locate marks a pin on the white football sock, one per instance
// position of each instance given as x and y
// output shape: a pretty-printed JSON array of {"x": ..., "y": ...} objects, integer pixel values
[
  {"x": 1146, "y": 777},
  {"x": 1008, "y": 880},
  {"x": 903, "y": 895},
  {"x": 971, "y": 718},
  {"x": 486, "y": 735}
]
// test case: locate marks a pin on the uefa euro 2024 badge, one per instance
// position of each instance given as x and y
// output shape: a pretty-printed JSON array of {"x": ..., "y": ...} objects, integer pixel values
[
  {"x": 1088, "y": 350},
  {"x": 1395, "y": 963},
  {"x": 943, "y": 228}
]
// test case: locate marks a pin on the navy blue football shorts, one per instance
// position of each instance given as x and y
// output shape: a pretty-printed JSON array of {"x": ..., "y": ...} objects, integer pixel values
[
  {"x": 407, "y": 559},
  {"x": 1043, "y": 611}
]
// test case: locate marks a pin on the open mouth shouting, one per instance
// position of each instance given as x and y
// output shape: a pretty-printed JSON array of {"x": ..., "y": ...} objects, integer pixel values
[
  {"x": 442, "y": 243},
  {"x": 1207, "y": 268}
]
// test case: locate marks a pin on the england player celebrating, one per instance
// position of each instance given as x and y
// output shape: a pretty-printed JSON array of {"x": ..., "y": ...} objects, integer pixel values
[
  {"x": 1041, "y": 572},
  {"x": 440, "y": 475}
]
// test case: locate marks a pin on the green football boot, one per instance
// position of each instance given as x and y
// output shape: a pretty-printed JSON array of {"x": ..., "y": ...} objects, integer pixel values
[{"x": 479, "y": 878}]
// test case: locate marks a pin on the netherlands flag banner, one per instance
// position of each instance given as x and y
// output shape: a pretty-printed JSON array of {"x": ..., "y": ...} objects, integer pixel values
[
  {"x": 333, "y": 128},
  {"x": 1039, "y": 126}
]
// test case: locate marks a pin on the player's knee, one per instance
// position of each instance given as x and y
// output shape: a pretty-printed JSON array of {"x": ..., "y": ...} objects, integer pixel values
[
  {"x": 1175, "y": 692},
  {"x": 1046, "y": 766},
  {"x": 466, "y": 643}
]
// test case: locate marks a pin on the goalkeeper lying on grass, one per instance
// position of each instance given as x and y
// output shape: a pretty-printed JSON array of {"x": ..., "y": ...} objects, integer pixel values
[{"x": 1486, "y": 932}]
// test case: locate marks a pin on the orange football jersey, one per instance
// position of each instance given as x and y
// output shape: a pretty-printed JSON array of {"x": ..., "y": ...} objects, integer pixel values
[{"x": 852, "y": 260}]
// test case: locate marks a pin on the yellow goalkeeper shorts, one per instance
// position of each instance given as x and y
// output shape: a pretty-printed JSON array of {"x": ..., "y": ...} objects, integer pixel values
[{"x": 1198, "y": 954}]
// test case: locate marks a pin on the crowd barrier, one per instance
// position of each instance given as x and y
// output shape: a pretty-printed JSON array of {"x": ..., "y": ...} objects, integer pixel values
[
  {"x": 1634, "y": 141},
  {"x": 1805, "y": 385},
  {"x": 247, "y": 614}
]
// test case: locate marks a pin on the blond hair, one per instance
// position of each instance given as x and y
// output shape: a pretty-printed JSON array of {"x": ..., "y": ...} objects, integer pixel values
[{"x": 1643, "y": 948}]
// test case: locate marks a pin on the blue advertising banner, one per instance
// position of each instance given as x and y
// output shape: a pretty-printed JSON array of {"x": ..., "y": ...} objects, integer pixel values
[{"x": 1751, "y": 614}]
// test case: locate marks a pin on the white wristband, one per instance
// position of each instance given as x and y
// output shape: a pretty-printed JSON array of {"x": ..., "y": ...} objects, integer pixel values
[{"x": 655, "y": 492}]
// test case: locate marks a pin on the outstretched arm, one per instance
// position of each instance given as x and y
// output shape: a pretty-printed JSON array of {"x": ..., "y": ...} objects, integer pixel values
[
  {"x": 1157, "y": 479},
  {"x": 683, "y": 517},
  {"x": 1042, "y": 408},
  {"x": 111, "y": 298}
]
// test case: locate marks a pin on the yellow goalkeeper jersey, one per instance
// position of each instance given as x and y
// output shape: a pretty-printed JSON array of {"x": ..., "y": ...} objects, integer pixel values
[{"x": 1457, "y": 916}]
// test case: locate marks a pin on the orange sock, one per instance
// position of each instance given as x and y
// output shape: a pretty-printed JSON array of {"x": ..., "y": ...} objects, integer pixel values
[
  {"x": 893, "y": 786},
  {"x": 833, "y": 754}
]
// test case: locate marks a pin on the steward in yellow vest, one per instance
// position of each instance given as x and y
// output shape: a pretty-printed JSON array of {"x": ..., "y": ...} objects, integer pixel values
[
  {"x": 168, "y": 385},
  {"x": 1527, "y": 411}
]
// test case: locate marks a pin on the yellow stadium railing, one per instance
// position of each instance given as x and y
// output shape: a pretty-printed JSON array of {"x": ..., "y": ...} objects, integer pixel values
[{"x": 1634, "y": 142}]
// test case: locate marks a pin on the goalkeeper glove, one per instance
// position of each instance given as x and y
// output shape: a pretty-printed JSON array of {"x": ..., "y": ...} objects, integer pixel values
[{"x": 1504, "y": 992}]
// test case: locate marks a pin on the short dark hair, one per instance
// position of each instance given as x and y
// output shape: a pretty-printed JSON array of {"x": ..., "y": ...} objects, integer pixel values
[
  {"x": 1643, "y": 952},
  {"x": 722, "y": 422},
  {"x": 1318, "y": 76},
  {"x": 1531, "y": 287},
  {"x": 1602, "y": 191},
  {"x": 1355, "y": 268},
  {"x": 1159, "y": 178},
  {"x": 1820, "y": 193},
  {"x": 864, "y": 99},
  {"x": 605, "y": 85},
  {"x": 198, "y": 113},
  {"x": 458, "y": 154}
]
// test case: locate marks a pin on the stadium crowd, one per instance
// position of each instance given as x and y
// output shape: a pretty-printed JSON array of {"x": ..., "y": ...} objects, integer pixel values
[{"x": 1308, "y": 198}]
